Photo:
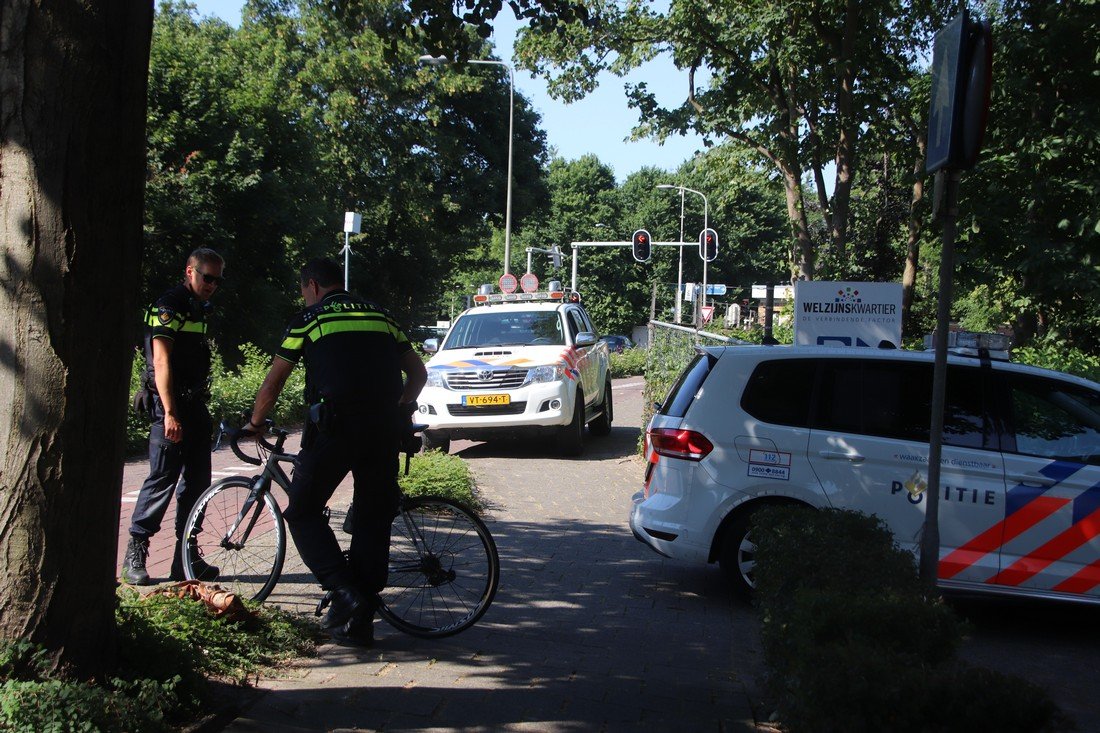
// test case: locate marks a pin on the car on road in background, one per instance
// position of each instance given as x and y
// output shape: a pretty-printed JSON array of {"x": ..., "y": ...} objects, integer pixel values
[
  {"x": 518, "y": 364},
  {"x": 618, "y": 344},
  {"x": 842, "y": 427}
]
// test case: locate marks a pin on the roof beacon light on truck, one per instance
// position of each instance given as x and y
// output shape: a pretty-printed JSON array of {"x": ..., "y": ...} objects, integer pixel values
[{"x": 485, "y": 295}]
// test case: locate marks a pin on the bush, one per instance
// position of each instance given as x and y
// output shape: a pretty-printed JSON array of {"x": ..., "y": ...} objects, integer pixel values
[
  {"x": 1061, "y": 358},
  {"x": 231, "y": 393},
  {"x": 629, "y": 363},
  {"x": 854, "y": 642},
  {"x": 168, "y": 647},
  {"x": 439, "y": 474}
]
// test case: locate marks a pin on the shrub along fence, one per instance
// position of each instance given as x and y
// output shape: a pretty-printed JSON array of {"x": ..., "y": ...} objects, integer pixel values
[{"x": 671, "y": 348}]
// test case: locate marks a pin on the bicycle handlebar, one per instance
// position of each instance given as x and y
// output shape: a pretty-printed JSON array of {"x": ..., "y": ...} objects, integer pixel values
[
  {"x": 411, "y": 441},
  {"x": 235, "y": 435}
]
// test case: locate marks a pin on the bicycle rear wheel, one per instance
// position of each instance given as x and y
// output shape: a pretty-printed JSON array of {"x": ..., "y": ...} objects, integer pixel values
[
  {"x": 249, "y": 556},
  {"x": 444, "y": 569}
]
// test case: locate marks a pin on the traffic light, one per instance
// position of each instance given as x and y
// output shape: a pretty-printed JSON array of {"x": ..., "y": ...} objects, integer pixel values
[
  {"x": 641, "y": 245},
  {"x": 708, "y": 245}
]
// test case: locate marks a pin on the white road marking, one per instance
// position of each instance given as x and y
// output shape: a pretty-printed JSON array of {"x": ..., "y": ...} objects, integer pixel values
[{"x": 628, "y": 384}]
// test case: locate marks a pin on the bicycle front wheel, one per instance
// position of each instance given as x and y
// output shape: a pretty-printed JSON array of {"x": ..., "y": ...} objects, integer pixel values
[
  {"x": 241, "y": 533},
  {"x": 444, "y": 569}
]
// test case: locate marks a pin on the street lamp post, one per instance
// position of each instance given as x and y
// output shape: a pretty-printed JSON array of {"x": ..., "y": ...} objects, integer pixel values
[
  {"x": 706, "y": 224},
  {"x": 439, "y": 61}
]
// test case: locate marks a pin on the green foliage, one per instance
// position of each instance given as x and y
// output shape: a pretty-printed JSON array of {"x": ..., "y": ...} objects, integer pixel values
[
  {"x": 168, "y": 647},
  {"x": 433, "y": 473},
  {"x": 232, "y": 391},
  {"x": 631, "y": 362},
  {"x": 1061, "y": 357},
  {"x": 855, "y": 642},
  {"x": 161, "y": 634}
]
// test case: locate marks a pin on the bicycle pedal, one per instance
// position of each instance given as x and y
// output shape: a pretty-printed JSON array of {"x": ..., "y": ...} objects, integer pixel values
[{"x": 322, "y": 604}]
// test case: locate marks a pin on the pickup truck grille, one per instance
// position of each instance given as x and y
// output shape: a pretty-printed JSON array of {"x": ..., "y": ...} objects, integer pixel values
[
  {"x": 498, "y": 379},
  {"x": 515, "y": 408}
]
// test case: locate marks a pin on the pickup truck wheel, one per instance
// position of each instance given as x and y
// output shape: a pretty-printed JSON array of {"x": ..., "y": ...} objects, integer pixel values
[
  {"x": 571, "y": 436},
  {"x": 436, "y": 441},
  {"x": 602, "y": 424}
]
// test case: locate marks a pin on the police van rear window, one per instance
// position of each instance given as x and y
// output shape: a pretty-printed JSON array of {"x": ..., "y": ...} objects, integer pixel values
[{"x": 683, "y": 392}]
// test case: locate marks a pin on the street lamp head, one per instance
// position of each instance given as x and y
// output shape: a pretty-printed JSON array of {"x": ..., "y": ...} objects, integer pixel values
[
  {"x": 433, "y": 60},
  {"x": 667, "y": 185}
]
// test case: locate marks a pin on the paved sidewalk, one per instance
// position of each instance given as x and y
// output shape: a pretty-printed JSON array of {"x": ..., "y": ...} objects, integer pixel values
[{"x": 590, "y": 630}]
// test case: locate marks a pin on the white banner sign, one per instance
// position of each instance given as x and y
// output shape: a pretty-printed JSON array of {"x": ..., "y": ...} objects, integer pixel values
[{"x": 846, "y": 313}]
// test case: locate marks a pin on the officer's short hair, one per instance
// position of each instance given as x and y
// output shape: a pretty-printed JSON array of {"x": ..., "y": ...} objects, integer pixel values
[
  {"x": 322, "y": 271},
  {"x": 205, "y": 256}
]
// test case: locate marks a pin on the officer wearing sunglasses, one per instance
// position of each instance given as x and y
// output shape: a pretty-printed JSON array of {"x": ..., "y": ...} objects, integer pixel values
[{"x": 174, "y": 391}]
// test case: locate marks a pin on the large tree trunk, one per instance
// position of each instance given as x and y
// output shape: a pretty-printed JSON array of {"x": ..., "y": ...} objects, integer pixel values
[
  {"x": 802, "y": 253},
  {"x": 72, "y": 170}
]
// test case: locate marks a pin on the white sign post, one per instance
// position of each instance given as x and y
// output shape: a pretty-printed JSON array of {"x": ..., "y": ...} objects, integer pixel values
[
  {"x": 846, "y": 313},
  {"x": 353, "y": 224}
]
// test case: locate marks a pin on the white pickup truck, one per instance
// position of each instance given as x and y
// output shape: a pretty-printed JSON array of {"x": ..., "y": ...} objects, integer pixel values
[{"x": 515, "y": 365}]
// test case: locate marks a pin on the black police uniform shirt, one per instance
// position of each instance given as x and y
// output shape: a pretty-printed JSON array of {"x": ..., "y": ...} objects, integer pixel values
[
  {"x": 352, "y": 352},
  {"x": 180, "y": 317}
]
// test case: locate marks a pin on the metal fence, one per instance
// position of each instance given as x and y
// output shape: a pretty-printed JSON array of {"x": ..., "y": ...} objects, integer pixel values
[{"x": 671, "y": 348}]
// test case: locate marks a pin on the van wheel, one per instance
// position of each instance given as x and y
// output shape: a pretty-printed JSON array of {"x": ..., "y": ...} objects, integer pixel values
[
  {"x": 737, "y": 556},
  {"x": 434, "y": 440},
  {"x": 571, "y": 436},
  {"x": 602, "y": 424}
]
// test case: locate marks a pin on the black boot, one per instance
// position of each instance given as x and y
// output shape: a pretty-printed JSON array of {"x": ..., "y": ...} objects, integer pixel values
[
  {"x": 201, "y": 569},
  {"x": 133, "y": 566},
  {"x": 359, "y": 631}
]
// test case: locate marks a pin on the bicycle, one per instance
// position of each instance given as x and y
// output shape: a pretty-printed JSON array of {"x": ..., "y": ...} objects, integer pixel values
[{"x": 444, "y": 567}]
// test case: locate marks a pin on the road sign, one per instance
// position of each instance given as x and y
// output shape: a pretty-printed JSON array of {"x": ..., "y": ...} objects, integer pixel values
[
  {"x": 962, "y": 68},
  {"x": 529, "y": 283},
  {"x": 716, "y": 289},
  {"x": 707, "y": 311},
  {"x": 507, "y": 283}
]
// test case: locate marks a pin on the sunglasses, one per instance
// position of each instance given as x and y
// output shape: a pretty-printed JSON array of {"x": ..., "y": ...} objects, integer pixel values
[{"x": 211, "y": 279}]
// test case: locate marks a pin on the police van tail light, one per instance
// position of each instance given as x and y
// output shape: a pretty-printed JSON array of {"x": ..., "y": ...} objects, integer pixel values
[{"x": 676, "y": 443}]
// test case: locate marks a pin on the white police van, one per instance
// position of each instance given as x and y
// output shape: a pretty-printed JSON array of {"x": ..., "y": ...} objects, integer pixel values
[
  {"x": 745, "y": 426},
  {"x": 518, "y": 364}
]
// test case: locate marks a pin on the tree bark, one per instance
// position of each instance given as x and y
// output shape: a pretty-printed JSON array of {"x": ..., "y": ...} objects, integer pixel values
[
  {"x": 72, "y": 168},
  {"x": 912, "y": 255}
]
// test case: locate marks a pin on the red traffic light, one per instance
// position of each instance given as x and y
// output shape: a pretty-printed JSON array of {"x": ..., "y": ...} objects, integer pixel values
[
  {"x": 708, "y": 245},
  {"x": 641, "y": 245}
]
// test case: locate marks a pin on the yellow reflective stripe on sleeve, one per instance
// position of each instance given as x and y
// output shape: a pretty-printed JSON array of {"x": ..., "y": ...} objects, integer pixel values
[
  {"x": 193, "y": 327},
  {"x": 152, "y": 319},
  {"x": 293, "y": 344}
]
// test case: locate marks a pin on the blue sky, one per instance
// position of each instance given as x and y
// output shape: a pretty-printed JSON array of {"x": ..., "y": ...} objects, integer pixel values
[{"x": 598, "y": 124}]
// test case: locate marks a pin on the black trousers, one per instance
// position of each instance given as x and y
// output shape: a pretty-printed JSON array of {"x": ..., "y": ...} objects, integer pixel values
[
  {"x": 371, "y": 455},
  {"x": 167, "y": 460}
]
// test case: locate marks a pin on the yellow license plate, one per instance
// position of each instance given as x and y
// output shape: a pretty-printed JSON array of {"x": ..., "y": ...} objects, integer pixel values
[{"x": 485, "y": 400}]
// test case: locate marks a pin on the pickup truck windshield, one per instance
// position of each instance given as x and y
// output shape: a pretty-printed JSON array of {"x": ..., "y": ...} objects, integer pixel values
[{"x": 506, "y": 328}]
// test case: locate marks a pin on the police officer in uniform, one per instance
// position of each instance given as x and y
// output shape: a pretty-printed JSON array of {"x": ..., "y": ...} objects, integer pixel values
[
  {"x": 354, "y": 356},
  {"x": 176, "y": 387}
]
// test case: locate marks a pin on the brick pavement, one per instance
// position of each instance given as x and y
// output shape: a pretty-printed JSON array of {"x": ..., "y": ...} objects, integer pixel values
[{"x": 589, "y": 631}]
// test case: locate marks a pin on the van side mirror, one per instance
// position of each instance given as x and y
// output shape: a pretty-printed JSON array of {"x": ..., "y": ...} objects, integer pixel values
[
  {"x": 586, "y": 338},
  {"x": 431, "y": 346}
]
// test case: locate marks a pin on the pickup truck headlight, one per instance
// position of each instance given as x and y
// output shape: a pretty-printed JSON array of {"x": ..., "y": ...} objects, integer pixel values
[
  {"x": 546, "y": 374},
  {"x": 435, "y": 378}
]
